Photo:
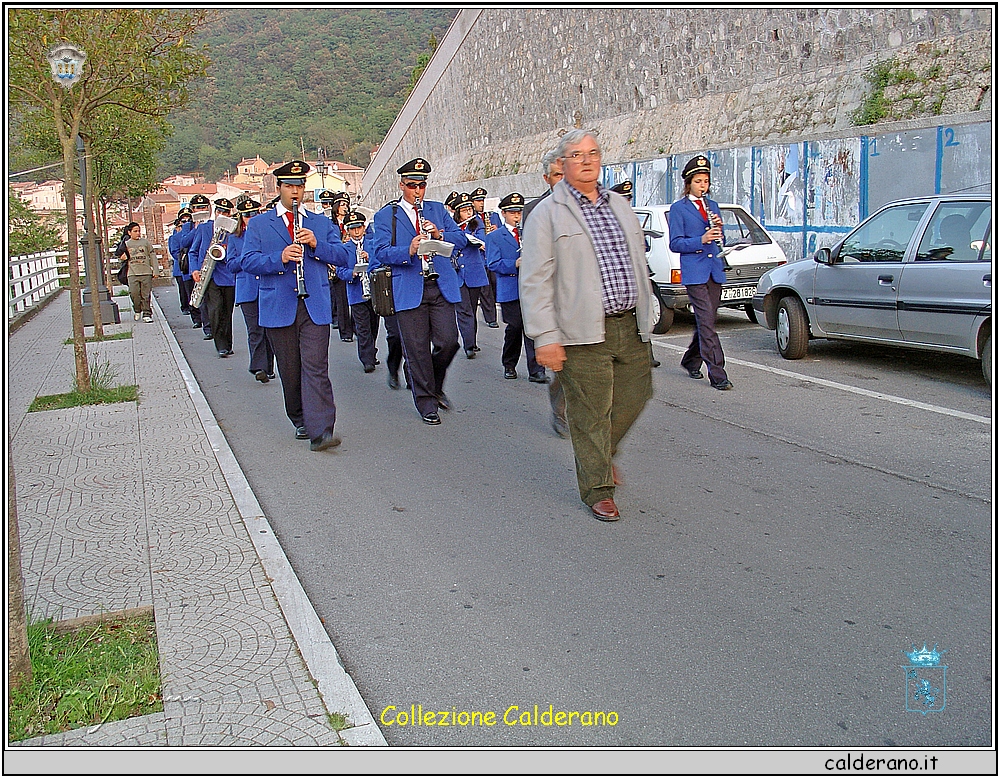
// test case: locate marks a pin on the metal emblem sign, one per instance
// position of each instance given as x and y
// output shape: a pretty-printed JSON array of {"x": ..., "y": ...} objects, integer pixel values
[
  {"x": 925, "y": 680},
  {"x": 67, "y": 64}
]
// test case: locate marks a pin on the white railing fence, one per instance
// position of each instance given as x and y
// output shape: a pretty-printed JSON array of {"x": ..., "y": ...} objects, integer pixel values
[{"x": 31, "y": 278}]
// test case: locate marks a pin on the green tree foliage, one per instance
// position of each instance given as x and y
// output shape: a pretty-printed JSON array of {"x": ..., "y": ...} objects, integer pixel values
[
  {"x": 28, "y": 232},
  {"x": 283, "y": 74}
]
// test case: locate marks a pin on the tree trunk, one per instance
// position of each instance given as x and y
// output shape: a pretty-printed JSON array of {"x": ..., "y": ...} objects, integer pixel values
[
  {"x": 18, "y": 659},
  {"x": 72, "y": 238},
  {"x": 94, "y": 272},
  {"x": 106, "y": 244}
]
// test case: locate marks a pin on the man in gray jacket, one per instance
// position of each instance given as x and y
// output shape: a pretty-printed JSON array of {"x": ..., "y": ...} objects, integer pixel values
[{"x": 583, "y": 296}]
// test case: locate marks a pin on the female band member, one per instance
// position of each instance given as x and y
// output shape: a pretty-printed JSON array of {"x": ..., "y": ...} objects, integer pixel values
[{"x": 696, "y": 234}]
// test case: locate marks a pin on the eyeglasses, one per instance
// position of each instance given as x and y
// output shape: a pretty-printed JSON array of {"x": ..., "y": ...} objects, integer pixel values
[
  {"x": 579, "y": 156},
  {"x": 415, "y": 184}
]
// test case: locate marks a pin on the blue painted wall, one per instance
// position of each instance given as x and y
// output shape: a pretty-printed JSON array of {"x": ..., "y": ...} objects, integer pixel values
[{"x": 809, "y": 194}]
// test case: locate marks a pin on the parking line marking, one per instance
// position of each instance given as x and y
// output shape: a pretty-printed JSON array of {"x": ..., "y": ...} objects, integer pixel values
[{"x": 847, "y": 388}]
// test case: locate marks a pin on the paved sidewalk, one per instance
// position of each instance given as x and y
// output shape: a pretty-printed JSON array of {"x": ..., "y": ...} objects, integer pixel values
[{"x": 144, "y": 505}]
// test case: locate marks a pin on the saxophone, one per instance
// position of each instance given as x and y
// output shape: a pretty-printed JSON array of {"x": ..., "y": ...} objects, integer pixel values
[{"x": 224, "y": 226}]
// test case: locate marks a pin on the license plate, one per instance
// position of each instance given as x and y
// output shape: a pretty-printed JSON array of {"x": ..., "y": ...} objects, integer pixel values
[{"x": 738, "y": 293}]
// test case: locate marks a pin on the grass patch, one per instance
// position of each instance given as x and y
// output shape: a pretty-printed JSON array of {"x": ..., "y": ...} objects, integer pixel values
[
  {"x": 338, "y": 721},
  {"x": 122, "y": 292},
  {"x": 125, "y": 335},
  {"x": 95, "y": 675},
  {"x": 102, "y": 375}
]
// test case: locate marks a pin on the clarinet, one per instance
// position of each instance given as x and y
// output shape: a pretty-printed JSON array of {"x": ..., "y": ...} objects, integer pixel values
[
  {"x": 300, "y": 277},
  {"x": 427, "y": 262},
  {"x": 361, "y": 267},
  {"x": 715, "y": 221}
]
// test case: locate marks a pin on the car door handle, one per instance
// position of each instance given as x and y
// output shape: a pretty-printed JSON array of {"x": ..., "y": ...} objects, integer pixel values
[
  {"x": 988, "y": 279},
  {"x": 885, "y": 280}
]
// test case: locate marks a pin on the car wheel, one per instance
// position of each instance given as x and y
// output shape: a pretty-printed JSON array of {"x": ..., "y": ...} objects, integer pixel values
[
  {"x": 792, "y": 330},
  {"x": 988, "y": 359},
  {"x": 751, "y": 313},
  {"x": 663, "y": 317}
]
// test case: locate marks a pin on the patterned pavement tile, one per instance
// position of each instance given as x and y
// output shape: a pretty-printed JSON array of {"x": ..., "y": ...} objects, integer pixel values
[{"x": 242, "y": 724}]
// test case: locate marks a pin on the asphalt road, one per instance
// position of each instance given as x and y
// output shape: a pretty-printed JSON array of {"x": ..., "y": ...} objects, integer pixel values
[{"x": 782, "y": 545}]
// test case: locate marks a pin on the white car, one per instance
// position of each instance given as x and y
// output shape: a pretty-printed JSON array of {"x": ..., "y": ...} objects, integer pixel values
[{"x": 753, "y": 253}]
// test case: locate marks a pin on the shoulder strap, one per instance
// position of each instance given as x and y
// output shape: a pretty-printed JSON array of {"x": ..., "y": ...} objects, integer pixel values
[{"x": 395, "y": 207}]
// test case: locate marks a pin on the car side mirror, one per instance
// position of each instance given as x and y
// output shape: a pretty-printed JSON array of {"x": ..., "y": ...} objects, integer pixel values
[{"x": 824, "y": 256}]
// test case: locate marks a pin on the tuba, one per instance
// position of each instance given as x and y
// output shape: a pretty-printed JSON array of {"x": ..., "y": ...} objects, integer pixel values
[{"x": 224, "y": 226}]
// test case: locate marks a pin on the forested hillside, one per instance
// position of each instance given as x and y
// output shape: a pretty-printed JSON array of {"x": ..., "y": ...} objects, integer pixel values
[{"x": 335, "y": 78}]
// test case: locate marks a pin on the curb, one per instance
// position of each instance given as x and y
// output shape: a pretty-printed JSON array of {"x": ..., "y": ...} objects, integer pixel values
[{"x": 336, "y": 687}]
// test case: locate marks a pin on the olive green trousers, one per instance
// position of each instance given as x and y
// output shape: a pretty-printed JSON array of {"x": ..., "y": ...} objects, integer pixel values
[{"x": 607, "y": 385}]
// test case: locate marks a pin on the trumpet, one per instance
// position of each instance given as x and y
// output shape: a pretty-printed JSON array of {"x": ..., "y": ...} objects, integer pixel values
[
  {"x": 300, "y": 278},
  {"x": 426, "y": 261},
  {"x": 224, "y": 225}
]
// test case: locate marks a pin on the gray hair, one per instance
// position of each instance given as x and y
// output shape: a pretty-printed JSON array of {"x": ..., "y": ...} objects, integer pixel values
[
  {"x": 573, "y": 137},
  {"x": 549, "y": 160}
]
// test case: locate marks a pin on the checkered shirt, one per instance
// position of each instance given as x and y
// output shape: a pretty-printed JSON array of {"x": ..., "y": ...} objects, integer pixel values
[{"x": 619, "y": 290}]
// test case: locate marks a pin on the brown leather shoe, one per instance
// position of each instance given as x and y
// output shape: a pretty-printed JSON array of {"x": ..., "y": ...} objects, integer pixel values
[
  {"x": 616, "y": 475},
  {"x": 605, "y": 510}
]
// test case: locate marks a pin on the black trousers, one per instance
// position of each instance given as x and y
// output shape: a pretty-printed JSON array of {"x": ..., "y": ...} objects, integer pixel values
[
  {"x": 186, "y": 297},
  {"x": 488, "y": 299},
  {"x": 261, "y": 353},
  {"x": 302, "y": 352},
  {"x": 341, "y": 308},
  {"x": 705, "y": 344},
  {"x": 184, "y": 291},
  {"x": 513, "y": 335},
  {"x": 430, "y": 342},
  {"x": 465, "y": 311},
  {"x": 366, "y": 328},
  {"x": 395, "y": 345},
  {"x": 220, "y": 301}
]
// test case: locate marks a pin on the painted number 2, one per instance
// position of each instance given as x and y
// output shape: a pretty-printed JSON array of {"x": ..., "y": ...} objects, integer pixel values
[{"x": 949, "y": 137}]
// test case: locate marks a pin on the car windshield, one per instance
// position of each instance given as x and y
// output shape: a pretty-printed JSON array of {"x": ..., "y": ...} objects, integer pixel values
[
  {"x": 738, "y": 226},
  {"x": 956, "y": 233},
  {"x": 885, "y": 236}
]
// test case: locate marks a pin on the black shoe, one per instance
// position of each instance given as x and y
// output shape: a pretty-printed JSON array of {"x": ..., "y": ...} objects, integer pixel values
[
  {"x": 325, "y": 441},
  {"x": 378, "y": 361},
  {"x": 393, "y": 381},
  {"x": 538, "y": 378},
  {"x": 431, "y": 418},
  {"x": 347, "y": 340},
  {"x": 301, "y": 434},
  {"x": 230, "y": 351},
  {"x": 492, "y": 325},
  {"x": 196, "y": 326},
  {"x": 186, "y": 311},
  {"x": 476, "y": 348},
  {"x": 654, "y": 363},
  {"x": 724, "y": 386},
  {"x": 509, "y": 372},
  {"x": 270, "y": 375},
  {"x": 261, "y": 376},
  {"x": 369, "y": 368},
  {"x": 470, "y": 353},
  {"x": 696, "y": 374},
  {"x": 443, "y": 402},
  {"x": 223, "y": 353},
  {"x": 207, "y": 337}
]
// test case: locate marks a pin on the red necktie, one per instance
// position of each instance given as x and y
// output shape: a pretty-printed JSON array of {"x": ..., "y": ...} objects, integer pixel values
[
  {"x": 517, "y": 236},
  {"x": 291, "y": 226},
  {"x": 701, "y": 207}
]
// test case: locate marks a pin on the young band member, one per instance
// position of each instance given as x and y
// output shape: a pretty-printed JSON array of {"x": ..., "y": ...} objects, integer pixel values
[
  {"x": 201, "y": 209},
  {"x": 503, "y": 257},
  {"x": 182, "y": 225},
  {"x": 247, "y": 290},
  {"x": 487, "y": 300},
  {"x": 425, "y": 289},
  {"x": 697, "y": 237},
  {"x": 471, "y": 262},
  {"x": 294, "y": 301},
  {"x": 340, "y": 204},
  {"x": 220, "y": 293},
  {"x": 365, "y": 318}
]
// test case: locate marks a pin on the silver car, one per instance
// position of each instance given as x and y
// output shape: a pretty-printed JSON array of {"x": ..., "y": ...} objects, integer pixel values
[{"x": 916, "y": 273}]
